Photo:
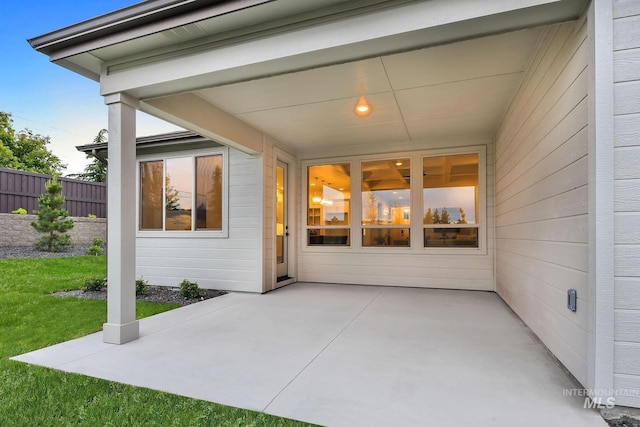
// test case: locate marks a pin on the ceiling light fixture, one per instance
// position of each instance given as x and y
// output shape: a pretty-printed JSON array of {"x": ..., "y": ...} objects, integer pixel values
[
  {"x": 316, "y": 197},
  {"x": 362, "y": 107}
]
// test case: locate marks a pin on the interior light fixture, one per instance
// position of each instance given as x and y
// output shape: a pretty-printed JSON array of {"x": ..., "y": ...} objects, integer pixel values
[
  {"x": 362, "y": 107},
  {"x": 316, "y": 198}
]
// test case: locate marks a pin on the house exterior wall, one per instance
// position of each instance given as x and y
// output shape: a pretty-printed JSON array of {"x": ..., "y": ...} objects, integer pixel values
[
  {"x": 542, "y": 196},
  {"x": 233, "y": 263},
  {"x": 626, "y": 51},
  {"x": 399, "y": 266}
]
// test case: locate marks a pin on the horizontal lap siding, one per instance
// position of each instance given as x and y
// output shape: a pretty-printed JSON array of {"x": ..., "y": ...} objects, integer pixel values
[
  {"x": 233, "y": 263},
  {"x": 403, "y": 267},
  {"x": 541, "y": 196},
  {"x": 626, "y": 30}
]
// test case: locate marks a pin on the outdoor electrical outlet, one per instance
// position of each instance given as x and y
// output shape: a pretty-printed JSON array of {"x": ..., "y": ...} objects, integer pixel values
[{"x": 572, "y": 299}]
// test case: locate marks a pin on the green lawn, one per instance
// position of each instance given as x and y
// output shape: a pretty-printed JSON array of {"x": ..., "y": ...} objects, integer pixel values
[{"x": 36, "y": 396}]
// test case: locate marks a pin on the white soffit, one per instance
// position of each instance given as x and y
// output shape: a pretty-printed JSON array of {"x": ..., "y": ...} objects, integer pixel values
[{"x": 456, "y": 89}]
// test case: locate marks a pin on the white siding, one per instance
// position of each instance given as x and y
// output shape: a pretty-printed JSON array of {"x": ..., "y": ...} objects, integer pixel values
[
  {"x": 541, "y": 196},
  {"x": 626, "y": 30},
  {"x": 400, "y": 266},
  {"x": 233, "y": 263}
]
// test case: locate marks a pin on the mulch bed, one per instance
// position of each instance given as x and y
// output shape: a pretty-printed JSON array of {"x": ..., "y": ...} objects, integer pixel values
[{"x": 153, "y": 294}]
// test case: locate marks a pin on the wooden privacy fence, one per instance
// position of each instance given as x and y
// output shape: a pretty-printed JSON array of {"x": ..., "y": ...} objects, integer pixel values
[{"x": 20, "y": 189}]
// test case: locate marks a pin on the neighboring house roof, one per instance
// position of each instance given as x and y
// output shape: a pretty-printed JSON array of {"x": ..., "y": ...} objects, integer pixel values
[{"x": 99, "y": 150}]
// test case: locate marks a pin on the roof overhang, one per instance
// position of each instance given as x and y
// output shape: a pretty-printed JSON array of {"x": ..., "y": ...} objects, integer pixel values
[
  {"x": 189, "y": 62},
  {"x": 156, "y": 30}
]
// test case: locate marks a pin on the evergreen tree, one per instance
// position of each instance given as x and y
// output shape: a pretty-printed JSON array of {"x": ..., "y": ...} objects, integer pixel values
[
  {"x": 444, "y": 217},
  {"x": 52, "y": 219},
  {"x": 428, "y": 217},
  {"x": 436, "y": 217},
  {"x": 463, "y": 217},
  {"x": 96, "y": 171}
]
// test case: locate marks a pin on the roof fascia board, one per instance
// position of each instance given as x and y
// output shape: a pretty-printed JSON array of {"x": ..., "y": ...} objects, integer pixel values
[
  {"x": 135, "y": 21},
  {"x": 261, "y": 29}
]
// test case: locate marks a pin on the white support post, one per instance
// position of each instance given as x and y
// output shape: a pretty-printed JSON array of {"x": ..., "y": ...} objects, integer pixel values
[{"x": 121, "y": 326}]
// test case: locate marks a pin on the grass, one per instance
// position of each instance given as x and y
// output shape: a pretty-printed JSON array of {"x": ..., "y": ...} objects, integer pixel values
[{"x": 35, "y": 396}]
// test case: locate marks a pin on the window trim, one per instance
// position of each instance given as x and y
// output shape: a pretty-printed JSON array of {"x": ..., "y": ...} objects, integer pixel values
[
  {"x": 191, "y": 234},
  {"x": 416, "y": 227},
  {"x": 306, "y": 226},
  {"x": 481, "y": 221}
]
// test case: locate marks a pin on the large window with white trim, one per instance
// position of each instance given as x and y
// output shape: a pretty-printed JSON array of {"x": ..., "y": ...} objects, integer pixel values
[
  {"x": 328, "y": 201},
  {"x": 183, "y": 193},
  {"x": 450, "y": 197},
  {"x": 386, "y": 202},
  {"x": 429, "y": 201}
]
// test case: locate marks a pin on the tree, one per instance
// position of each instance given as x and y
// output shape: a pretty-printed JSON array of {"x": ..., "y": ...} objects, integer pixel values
[
  {"x": 463, "y": 217},
  {"x": 444, "y": 217},
  {"x": 171, "y": 198},
  {"x": 26, "y": 150},
  {"x": 52, "y": 219},
  {"x": 371, "y": 208},
  {"x": 436, "y": 217},
  {"x": 96, "y": 171},
  {"x": 428, "y": 217}
]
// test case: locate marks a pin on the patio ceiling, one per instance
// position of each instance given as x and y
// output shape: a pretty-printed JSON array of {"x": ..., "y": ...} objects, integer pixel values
[
  {"x": 455, "y": 89},
  {"x": 294, "y": 70}
]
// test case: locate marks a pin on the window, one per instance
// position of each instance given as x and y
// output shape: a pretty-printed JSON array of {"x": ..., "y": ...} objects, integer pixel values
[
  {"x": 427, "y": 202},
  {"x": 328, "y": 200},
  {"x": 386, "y": 202},
  {"x": 450, "y": 193},
  {"x": 182, "y": 194}
]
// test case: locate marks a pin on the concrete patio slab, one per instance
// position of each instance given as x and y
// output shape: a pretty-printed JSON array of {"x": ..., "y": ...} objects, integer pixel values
[{"x": 344, "y": 356}]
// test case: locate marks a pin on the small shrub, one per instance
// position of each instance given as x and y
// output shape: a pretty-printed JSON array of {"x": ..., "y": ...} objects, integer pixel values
[
  {"x": 91, "y": 216},
  {"x": 19, "y": 211},
  {"x": 189, "y": 290},
  {"x": 94, "y": 284},
  {"x": 96, "y": 247},
  {"x": 141, "y": 286},
  {"x": 94, "y": 250}
]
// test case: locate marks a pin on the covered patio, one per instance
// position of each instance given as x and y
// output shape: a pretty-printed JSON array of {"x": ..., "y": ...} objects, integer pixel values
[{"x": 345, "y": 355}]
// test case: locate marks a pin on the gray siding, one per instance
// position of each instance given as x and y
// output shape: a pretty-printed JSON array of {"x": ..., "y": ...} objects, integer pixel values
[
  {"x": 541, "y": 196},
  {"x": 626, "y": 33}
]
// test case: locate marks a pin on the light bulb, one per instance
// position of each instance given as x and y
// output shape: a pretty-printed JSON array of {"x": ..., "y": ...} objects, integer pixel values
[{"x": 362, "y": 107}]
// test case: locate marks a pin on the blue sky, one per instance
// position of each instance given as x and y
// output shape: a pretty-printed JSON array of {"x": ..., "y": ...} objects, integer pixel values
[{"x": 45, "y": 97}]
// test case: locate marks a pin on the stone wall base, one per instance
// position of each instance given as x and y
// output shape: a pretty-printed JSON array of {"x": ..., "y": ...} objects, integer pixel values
[{"x": 16, "y": 230}]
